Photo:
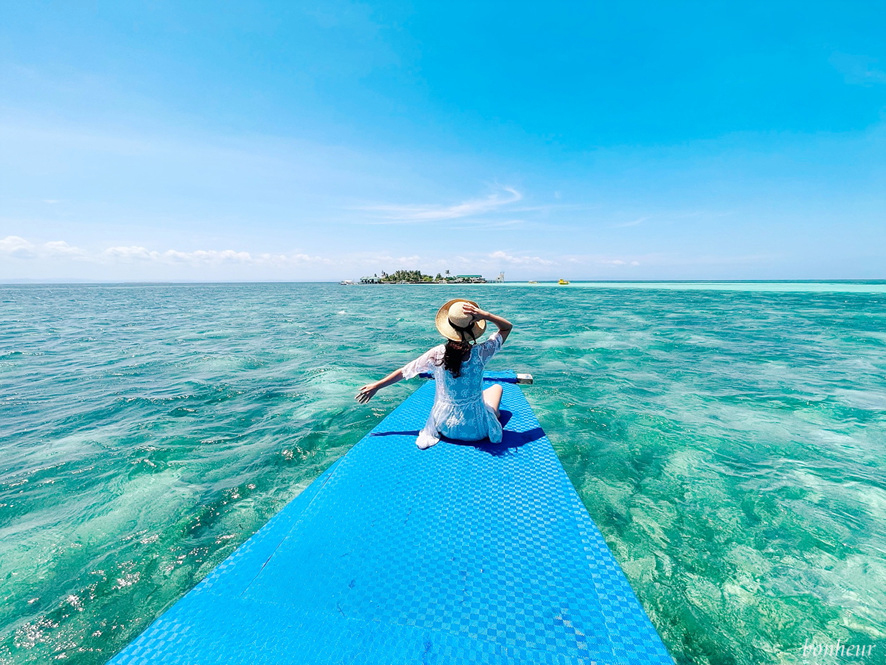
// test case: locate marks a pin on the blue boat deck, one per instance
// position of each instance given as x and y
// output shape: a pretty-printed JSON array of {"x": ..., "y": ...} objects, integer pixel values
[{"x": 456, "y": 554}]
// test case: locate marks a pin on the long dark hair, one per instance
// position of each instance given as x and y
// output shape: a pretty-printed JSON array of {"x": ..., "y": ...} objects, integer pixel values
[{"x": 454, "y": 355}]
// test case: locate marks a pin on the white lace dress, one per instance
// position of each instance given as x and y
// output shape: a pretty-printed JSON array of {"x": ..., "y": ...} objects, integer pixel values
[{"x": 459, "y": 411}]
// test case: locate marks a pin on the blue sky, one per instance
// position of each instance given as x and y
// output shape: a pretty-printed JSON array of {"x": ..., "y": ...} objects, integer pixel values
[{"x": 299, "y": 140}]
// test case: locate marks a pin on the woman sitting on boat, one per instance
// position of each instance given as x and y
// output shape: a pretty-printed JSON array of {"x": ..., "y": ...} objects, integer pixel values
[{"x": 462, "y": 409}]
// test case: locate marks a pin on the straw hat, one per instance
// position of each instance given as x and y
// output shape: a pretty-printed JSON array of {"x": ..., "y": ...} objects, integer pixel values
[{"x": 454, "y": 324}]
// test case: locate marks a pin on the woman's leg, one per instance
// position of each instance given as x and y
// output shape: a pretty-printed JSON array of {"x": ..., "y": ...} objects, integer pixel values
[{"x": 492, "y": 396}]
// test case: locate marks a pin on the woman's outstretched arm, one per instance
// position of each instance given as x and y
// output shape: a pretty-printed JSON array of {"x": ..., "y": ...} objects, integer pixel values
[
  {"x": 366, "y": 392},
  {"x": 504, "y": 326}
]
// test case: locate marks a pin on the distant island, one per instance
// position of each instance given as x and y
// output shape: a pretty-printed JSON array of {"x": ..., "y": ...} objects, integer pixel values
[{"x": 417, "y": 277}]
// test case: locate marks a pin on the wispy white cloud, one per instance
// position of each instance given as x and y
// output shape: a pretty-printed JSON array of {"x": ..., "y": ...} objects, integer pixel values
[
  {"x": 197, "y": 257},
  {"x": 16, "y": 246},
  {"x": 412, "y": 214},
  {"x": 204, "y": 257},
  {"x": 520, "y": 259},
  {"x": 21, "y": 248},
  {"x": 131, "y": 253},
  {"x": 385, "y": 260},
  {"x": 61, "y": 248}
]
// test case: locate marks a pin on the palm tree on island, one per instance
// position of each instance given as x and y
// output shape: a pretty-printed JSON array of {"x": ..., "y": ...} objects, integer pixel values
[{"x": 417, "y": 277}]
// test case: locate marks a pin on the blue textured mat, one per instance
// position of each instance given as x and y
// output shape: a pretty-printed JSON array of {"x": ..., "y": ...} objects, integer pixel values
[{"x": 456, "y": 554}]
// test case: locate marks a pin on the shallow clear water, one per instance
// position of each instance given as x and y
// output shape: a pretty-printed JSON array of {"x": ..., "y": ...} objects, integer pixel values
[{"x": 730, "y": 443}]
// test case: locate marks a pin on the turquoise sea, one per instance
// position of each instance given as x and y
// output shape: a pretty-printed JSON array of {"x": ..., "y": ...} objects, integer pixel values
[{"x": 728, "y": 439}]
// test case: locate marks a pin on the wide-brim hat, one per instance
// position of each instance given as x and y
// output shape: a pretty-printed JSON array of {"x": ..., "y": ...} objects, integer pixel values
[{"x": 454, "y": 324}]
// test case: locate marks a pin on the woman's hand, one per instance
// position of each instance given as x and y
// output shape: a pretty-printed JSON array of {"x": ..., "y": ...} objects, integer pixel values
[
  {"x": 504, "y": 326},
  {"x": 366, "y": 392},
  {"x": 474, "y": 311}
]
